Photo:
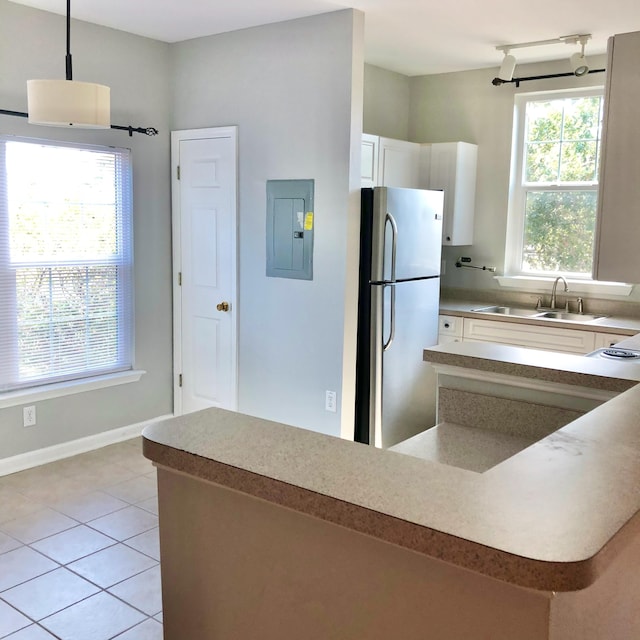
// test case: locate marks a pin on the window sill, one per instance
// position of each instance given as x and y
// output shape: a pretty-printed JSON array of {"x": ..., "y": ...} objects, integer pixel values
[
  {"x": 59, "y": 389},
  {"x": 528, "y": 283}
]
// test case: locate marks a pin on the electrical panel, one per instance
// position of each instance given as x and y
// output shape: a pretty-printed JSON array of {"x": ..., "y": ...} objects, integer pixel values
[{"x": 290, "y": 223}]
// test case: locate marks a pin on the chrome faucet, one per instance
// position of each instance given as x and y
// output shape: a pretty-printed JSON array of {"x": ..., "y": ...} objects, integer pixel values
[{"x": 552, "y": 304}]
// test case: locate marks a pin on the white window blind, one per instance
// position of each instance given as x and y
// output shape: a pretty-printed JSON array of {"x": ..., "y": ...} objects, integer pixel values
[{"x": 65, "y": 262}]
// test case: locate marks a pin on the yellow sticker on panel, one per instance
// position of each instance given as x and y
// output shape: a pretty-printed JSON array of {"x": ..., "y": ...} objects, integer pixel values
[{"x": 308, "y": 221}]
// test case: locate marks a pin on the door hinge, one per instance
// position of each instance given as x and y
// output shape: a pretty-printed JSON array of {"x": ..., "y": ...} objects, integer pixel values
[
  {"x": 178, "y": 171},
  {"x": 180, "y": 380},
  {"x": 179, "y": 278}
]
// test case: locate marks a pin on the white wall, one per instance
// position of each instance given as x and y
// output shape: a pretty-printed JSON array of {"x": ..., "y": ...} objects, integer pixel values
[
  {"x": 386, "y": 103},
  {"x": 295, "y": 91},
  {"x": 32, "y": 45}
]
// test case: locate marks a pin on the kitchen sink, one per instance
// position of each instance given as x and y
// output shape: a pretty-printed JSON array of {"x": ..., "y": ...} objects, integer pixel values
[
  {"x": 523, "y": 312},
  {"x": 509, "y": 311},
  {"x": 571, "y": 317}
]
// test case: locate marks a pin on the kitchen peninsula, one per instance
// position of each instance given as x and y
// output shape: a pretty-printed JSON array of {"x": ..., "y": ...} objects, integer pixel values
[{"x": 269, "y": 531}]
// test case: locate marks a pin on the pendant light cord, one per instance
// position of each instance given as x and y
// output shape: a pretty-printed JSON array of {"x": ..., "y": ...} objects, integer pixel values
[{"x": 69, "y": 70}]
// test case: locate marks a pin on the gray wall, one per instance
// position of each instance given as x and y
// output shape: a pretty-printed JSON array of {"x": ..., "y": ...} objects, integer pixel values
[
  {"x": 466, "y": 106},
  {"x": 386, "y": 103},
  {"x": 32, "y": 45},
  {"x": 292, "y": 88}
]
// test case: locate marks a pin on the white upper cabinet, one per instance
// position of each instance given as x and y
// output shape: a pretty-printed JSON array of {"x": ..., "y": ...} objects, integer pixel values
[
  {"x": 617, "y": 254},
  {"x": 452, "y": 167},
  {"x": 369, "y": 165},
  {"x": 390, "y": 163},
  {"x": 398, "y": 163}
]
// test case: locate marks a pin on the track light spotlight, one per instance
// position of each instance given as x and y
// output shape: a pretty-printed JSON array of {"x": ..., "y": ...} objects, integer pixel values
[
  {"x": 578, "y": 62},
  {"x": 507, "y": 67}
]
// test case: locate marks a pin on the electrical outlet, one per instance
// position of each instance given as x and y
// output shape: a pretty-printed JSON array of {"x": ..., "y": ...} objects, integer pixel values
[
  {"x": 443, "y": 267},
  {"x": 330, "y": 401},
  {"x": 29, "y": 416}
]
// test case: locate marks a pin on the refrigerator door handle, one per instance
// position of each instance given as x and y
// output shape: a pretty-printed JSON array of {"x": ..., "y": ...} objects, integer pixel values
[
  {"x": 394, "y": 249},
  {"x": 394, "y": 243},
  {"x": 392, "y": 315}
]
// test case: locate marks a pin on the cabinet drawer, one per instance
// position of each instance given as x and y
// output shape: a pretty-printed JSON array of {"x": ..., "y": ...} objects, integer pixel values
[
  {"x": 524, "y": 335},
  {"x": 450, "y": 326}
]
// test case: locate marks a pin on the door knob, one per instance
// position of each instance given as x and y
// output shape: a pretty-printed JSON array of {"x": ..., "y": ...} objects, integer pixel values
[{"x": 222, "y": 306}]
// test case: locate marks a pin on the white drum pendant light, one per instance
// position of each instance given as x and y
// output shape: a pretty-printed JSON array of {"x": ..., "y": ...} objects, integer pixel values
[{"x": 68, "y": 103}]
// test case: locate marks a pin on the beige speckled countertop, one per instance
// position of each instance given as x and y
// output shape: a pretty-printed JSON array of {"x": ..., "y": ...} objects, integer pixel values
[
  {"x": 550, "y": 517},
  {"x": 547, "y": 366}
]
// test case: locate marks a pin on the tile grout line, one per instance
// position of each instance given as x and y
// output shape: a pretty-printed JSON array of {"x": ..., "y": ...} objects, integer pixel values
[{"x": 137, "y": 475}]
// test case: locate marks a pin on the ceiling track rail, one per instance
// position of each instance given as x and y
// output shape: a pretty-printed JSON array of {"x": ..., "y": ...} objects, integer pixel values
[{"x": 496, "y": 82}]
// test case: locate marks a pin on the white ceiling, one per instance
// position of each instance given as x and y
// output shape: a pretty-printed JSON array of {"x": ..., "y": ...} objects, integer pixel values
[{"x": 414, "y": 37}]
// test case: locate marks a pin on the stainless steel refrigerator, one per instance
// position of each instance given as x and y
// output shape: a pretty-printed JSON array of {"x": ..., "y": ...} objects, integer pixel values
[{"x": 400, "y": 249}]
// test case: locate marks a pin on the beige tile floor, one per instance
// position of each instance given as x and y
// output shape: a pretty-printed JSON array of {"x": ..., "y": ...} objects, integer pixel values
[{"x": 79, "y": 549}]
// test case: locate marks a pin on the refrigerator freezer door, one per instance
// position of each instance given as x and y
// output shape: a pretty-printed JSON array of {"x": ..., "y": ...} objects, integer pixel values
[
  {"x": 410, "y": 220},
  {"x": 401, "y": 403}
]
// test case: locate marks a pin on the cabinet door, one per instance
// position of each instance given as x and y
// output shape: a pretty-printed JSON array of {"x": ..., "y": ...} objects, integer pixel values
[
  {"x": 524, "y": 335},
  {"x": 618, "y": 230},
  {"x": 449, "y": 329},
  {"x": 452, "y": 168},
  {"x": 398, "y": 163},
  {"x": 450, "y": 326},
  {"x": 369, "y": 163},
  {"x": 604, "y": 340}
]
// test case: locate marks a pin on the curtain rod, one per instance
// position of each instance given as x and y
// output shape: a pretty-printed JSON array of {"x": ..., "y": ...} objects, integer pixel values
[
  {"x": 148, "y": 131},
  {"x": 496, "y": 82}
]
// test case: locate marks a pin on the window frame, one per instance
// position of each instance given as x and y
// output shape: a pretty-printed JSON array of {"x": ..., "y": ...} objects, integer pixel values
[
  {"x": 518, "y": 190},
  {"x": 58, "y": 384}
]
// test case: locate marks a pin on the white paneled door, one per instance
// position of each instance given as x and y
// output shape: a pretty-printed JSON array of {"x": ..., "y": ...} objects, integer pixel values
[{"x": 204, "y": 163}]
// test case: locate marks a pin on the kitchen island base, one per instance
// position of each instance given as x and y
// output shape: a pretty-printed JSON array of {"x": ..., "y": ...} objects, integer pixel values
[{"x": 239, "y": 567}]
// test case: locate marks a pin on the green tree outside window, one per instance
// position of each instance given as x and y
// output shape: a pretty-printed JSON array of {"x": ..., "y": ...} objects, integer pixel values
[{"x": 560, "y": 172}]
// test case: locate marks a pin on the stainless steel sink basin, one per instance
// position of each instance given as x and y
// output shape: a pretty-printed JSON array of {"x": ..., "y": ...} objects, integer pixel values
[
  {"x": 571, "y": 317},
  {"x": 523, "y": 312},
  {"x": 509, "y": 311}
]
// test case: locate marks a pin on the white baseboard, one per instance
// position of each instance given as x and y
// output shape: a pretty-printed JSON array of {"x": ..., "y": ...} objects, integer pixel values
[{"x": 66, "y": 449}]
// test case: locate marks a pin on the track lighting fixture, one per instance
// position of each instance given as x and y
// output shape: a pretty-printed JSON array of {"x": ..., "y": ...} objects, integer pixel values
[{"x": 579, "y": 65}]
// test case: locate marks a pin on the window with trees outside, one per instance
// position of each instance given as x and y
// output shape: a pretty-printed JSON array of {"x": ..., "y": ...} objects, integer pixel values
[
  {"x": 65, "y": 262},
  {"x": 553, "y": 199}
]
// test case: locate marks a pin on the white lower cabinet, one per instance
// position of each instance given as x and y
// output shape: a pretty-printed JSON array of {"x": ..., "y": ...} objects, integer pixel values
[
  {"x": 604, "y": 340},
  {"x": 549, "y": 338},
  {"x": 526, "y": 335},
  {"x": 450, "y": 329}
]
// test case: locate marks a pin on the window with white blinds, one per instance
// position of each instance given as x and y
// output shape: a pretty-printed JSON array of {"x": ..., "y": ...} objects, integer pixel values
[{"x": 66, "y": 264}]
